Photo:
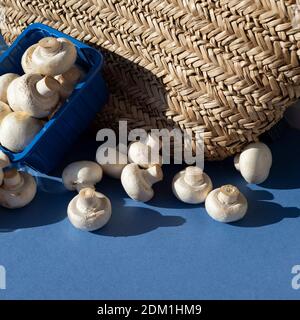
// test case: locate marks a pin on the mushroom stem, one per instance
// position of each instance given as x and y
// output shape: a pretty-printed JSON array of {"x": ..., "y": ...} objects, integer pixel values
[
  {"x": 193, "y": 176},
  {"x": 153, "y": 174},
  {"x": 88, "y": 201},
  {"x": 12, "y": 179},
  {"x": 228, "y": 194},
  {"x": 47, "y": 86},
  {"x": 50, "y": 44}
]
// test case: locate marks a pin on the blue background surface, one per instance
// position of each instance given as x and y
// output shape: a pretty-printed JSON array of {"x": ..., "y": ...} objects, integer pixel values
[{"x": 163, "y": 249}]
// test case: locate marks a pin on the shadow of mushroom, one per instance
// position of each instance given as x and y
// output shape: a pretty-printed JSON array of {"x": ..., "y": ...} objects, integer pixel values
[
  {"x": 128, "y": 219},
  {"x": 45, "y": 209},
  {"x": 133, "y": 221},
  {"x": 262, "y": 212}
]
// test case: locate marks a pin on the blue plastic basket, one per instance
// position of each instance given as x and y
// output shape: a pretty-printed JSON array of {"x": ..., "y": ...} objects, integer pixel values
[{"x": 57, "y": 136}]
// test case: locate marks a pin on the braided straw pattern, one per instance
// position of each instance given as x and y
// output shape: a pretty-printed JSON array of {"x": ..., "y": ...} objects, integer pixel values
[{"x": 226, "y": 67}]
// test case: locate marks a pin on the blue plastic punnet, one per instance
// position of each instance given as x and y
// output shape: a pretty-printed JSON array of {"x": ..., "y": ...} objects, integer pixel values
[{"x": 59, "y": 133}]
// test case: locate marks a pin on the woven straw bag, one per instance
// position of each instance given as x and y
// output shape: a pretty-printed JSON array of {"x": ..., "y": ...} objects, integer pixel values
[{"x": 228, "y": 67}]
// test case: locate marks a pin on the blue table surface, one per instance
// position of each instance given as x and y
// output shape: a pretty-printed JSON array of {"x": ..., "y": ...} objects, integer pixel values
[{"x": 163, "y": 249}]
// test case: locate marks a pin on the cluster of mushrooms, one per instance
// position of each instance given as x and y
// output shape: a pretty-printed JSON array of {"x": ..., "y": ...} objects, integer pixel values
[
  {"x": 27, "y": 101},
  {"x": 91, "y": 210}
]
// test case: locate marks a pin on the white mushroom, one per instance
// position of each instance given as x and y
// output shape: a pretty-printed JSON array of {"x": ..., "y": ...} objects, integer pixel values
[
  {"x": 138, "y": 182},
  {"x": 191, "y": 185},
  {"x": 50, "y": 56},
  {"x": 89, "y": 210},
  {"x": 112, "y": 164},
  {"x": 254, "y": 162},
  {"x": 82, "y": 174},
  {"x": 140, "y": 153},
  {"x": 18, "y": 189},
  {"x": 5, "y": 81},
  {"x": 68, "y": 81},
  {"x": 226, "y": 204},
  {"x": 17, "y": 130},
  {"x": 34, "y": 94},
  {"x": 4, "y": 110}
]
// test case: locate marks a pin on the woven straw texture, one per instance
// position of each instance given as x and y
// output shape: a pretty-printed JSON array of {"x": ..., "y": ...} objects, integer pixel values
[{"x": 226, "y": 67}]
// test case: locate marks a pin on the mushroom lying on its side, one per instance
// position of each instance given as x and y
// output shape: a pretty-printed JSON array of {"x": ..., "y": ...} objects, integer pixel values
[
  {"x": 145, "y": 154},
  {"x": 254, "y": 162},
  {"x": 18, "y": 189},
  {"x": 34, "y": 94},
  {"x": 89, "y": 210},
  {"x": 82, "y": 174},
  {"x": 138, "y": 182},
  {"x": 17, "y": 130},
  {"x": 191, "y": 185},
  {"x": 50, "y": 56},
  {"x": 226, "y": 204}
]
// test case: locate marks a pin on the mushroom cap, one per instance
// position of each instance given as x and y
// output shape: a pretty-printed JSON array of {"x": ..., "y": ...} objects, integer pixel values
[
  {"x": 5, "y": 81},
  {"x": 255, "y": 162},
  {"x": 4, "y": 110},
  {"x": 22, "y": 95},
  {"x": 21, "y": 195},
  {"x": 92, "y": 218},
  {"x": 81, "y": 174},
  {"x": 17, "y": 130},
  {"x": 114, "y": 164},
  {"x": 223, "y": 212},
  {"x": 140, "y": 154},
  {"x": 188, "y": 193},
  {"x": 236, "y": 161},
  {"x": 51, "y": 56},
  {"x": 135, "y": 184}
]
